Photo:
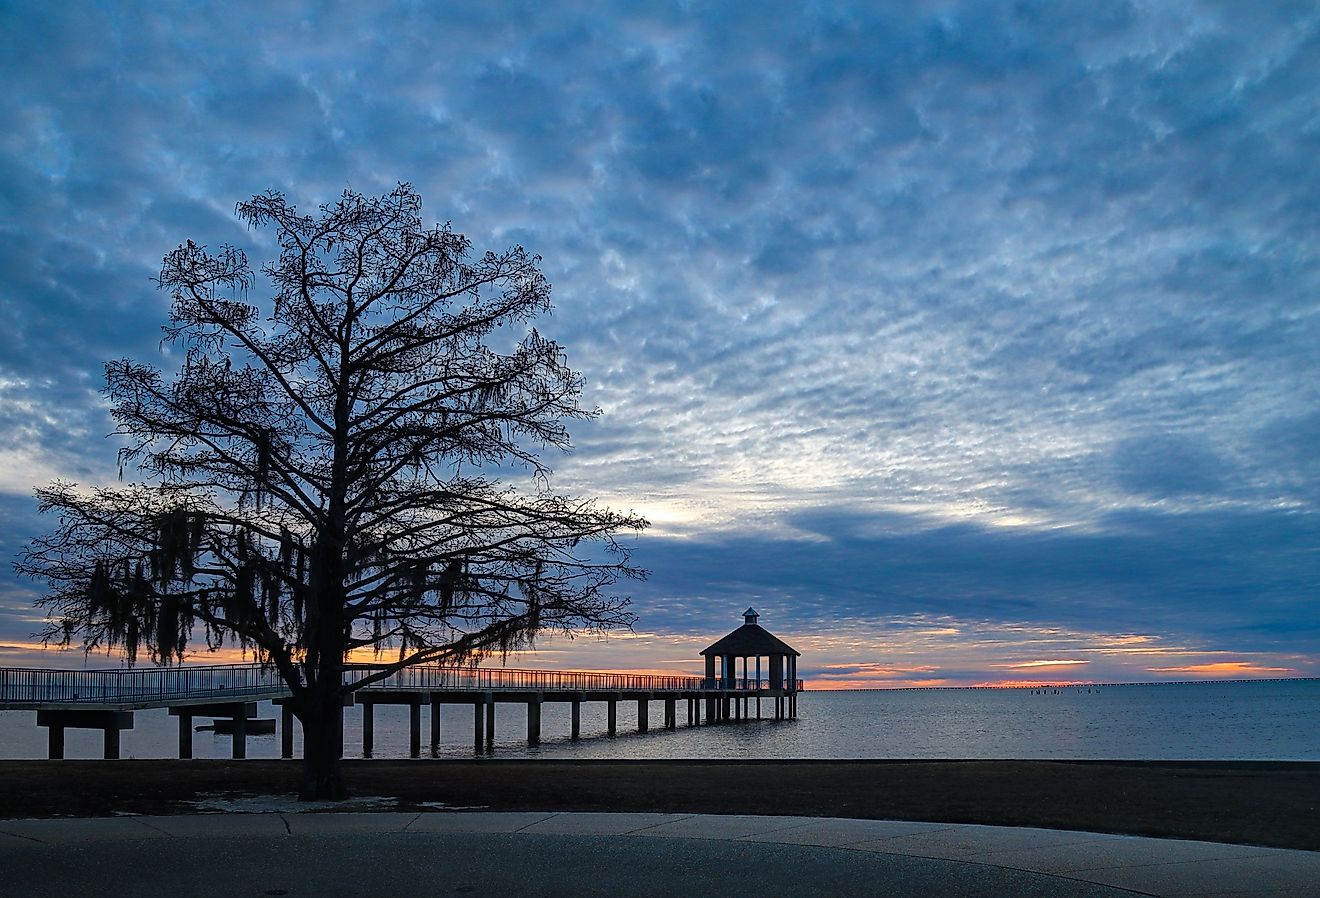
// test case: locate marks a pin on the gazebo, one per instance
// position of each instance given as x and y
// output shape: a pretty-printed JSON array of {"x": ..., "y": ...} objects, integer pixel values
[{"x": 748, "y": 642}]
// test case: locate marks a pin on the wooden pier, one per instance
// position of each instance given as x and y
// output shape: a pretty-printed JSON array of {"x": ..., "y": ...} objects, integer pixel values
[{"x": 106, "y": 699}]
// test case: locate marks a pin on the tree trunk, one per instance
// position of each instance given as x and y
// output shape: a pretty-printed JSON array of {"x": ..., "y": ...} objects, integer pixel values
[
  {"x": 323, "y": 701},
  {"x": 323, "y": 747}
]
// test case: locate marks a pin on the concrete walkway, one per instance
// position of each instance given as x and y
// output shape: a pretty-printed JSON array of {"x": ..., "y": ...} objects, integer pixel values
[{"x": 619, "y": 855}]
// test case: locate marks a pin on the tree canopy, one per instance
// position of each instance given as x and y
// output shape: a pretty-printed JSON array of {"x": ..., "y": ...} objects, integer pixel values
[{"x": 327, "y": 469}]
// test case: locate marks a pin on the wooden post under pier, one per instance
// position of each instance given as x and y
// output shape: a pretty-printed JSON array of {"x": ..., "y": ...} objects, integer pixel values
[
  {"x": 286, "y": 729},
  {"x": 413, "y": 698},
  {"x": 110, "y": 723},
  {"x": 644, "y": 712},
  {"x": 287, "y": 717},
  {"x": 435, "y": 726},
  {"x": 479, "y": 723},
  {"x": 534, "y": 719},
  {"x": 185, "y": 732},
  {"x": 238, "y": 712},
  {"x": 368, "y": 728}
]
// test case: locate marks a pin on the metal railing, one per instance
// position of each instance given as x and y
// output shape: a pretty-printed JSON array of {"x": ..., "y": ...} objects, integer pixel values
[
  {"x": 22, "y": 686},
  {"x": 745, "y": 684},
  {"x": 437, "y": 677},
  {"x": 29, "y": 687}
]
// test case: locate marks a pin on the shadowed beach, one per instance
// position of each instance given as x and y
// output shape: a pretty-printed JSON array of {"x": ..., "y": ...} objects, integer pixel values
[{"x": 1257, "y": 803}]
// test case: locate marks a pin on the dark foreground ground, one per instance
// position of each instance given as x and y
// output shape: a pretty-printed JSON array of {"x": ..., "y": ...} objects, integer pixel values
[{"x": 1259, "y": 803}]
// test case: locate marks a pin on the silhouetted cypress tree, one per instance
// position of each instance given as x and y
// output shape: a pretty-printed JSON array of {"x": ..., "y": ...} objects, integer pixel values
[{"x": 313, "y": 473}]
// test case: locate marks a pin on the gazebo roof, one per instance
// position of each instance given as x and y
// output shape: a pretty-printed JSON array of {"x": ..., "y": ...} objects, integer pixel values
[{"x": 750, "y": 640}]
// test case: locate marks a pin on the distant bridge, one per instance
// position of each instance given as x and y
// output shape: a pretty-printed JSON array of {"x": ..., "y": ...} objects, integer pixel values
[{"x": 106, "y": 699}]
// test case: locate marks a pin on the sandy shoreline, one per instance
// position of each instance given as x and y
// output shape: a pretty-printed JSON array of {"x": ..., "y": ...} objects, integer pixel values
[{"x": 1260, "y": 803}]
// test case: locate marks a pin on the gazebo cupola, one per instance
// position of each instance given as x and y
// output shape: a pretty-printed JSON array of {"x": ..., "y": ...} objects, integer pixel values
[{"x": 748, "y": 642}]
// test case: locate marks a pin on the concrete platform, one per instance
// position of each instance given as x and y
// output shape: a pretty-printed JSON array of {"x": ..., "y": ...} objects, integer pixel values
[{"x": 620, "y": 855}]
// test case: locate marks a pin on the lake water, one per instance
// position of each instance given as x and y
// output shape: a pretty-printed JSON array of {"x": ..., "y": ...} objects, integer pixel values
[{"x": 1262, "y": 720}]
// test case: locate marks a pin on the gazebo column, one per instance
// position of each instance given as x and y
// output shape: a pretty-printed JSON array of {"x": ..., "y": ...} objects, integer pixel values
[
  {"x": 758, "y": 687},
  {"x": 792, "y": 698},
  {"x": 747, "y": 678}
]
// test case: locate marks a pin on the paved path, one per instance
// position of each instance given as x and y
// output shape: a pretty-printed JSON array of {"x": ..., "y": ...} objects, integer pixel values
[{"x": 619, "y": 855}]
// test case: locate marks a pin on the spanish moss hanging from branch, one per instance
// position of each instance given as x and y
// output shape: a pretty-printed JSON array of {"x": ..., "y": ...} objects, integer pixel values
[{"x": 315, "y": 478}]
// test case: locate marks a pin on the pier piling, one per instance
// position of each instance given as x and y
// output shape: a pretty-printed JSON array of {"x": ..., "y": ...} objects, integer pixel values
[
  {"x": 238, "y": 712},
  {"x": 534, "y": 720},
  {"x": 185, "y": 733},
  {"x": 435, "y": 726},
  {"x": 108, "y": 722},
  {"x": 479, "y": 721},
  {"x": 286, "y": 730}
]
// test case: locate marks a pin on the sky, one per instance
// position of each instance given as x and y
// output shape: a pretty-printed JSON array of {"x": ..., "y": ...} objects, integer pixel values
[{"x": 970, "y": 342}]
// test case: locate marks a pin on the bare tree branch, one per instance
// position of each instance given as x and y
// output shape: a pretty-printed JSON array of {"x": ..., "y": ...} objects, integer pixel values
[{"x": 306, "y": 458}]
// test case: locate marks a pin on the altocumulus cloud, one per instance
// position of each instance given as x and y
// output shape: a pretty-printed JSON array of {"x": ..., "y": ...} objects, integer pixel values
[{"x": 963, "y": 320}]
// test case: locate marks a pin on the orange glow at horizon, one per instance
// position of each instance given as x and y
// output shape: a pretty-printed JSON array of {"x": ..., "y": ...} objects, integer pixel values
[
  {"x": 820, "y": 684},
  {"x": 880, "y": 669},
  {"x": 1223, "y": 669}
]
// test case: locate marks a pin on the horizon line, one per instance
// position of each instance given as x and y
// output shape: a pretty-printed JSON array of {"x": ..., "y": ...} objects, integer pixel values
[{"x": 1066, "y": 685}]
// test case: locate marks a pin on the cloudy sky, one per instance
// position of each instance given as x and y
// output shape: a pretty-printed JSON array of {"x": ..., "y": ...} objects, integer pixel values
[{"x": 970, "y": 342}]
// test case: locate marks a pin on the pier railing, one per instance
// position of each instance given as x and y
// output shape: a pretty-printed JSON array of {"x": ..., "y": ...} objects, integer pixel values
[
  {"x": 435, "y": 677},
  {"x": 29, "y": 687},
  {"x": 744, "y": 684},
  {"x": 21, "y": 686}
]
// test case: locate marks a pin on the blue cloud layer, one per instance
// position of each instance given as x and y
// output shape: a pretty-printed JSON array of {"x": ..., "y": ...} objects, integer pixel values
[{"x": 999, "y": 310}]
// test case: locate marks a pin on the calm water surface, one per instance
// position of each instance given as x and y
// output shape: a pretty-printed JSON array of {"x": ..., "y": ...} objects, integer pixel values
[{"x": 1266, "y": 720}]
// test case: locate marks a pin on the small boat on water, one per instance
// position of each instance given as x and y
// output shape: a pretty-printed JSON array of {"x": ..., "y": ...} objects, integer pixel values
[{"x": 256, "y": 726}]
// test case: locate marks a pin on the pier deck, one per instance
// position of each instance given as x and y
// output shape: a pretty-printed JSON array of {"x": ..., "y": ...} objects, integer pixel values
[{"x": 106, "y": 699}]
